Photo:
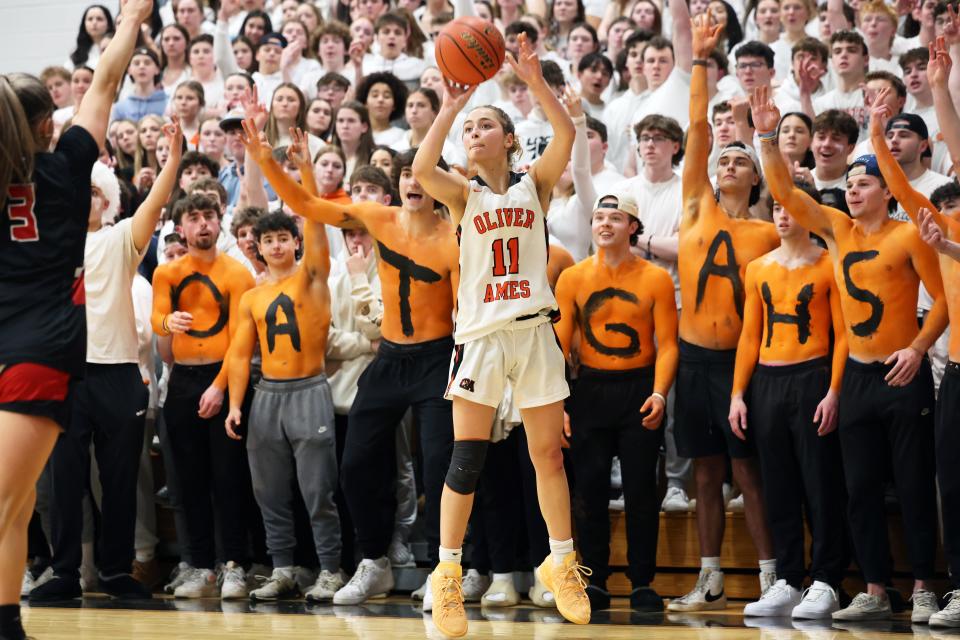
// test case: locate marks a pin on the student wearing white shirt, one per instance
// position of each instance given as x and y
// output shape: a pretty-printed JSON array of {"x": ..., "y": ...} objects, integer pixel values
[
  {"x": 849, "y": 60},
  {"x": 913, "y": 63},
  {"x": 393, "y": 32},
  {"x": 807, "y": 78},
  {"x": 878, "y": 24},
  {"x": 594, "y": 73},
  {"x": 657, "y": 189},
  {"x": 618, "y": 114},
  {"x": 909, "y": 142},
  {"x": 835, "y": 134},
  {"x": 535, "y": 133},
  {"x": 385, "y": 97},
  {"x": 270, "y": 74},
  {"x": 301, "y": 66},
  {"x": 604, "y": 174},
  {"x": 203, "y": 70},
  {"x": 331, "y": 42}
]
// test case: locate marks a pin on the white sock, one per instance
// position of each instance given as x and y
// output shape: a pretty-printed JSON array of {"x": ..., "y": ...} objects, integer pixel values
[
  {"x": 503, "y": 576},
  {"x": 559, "y": 549},
  {"x": 712, "y": 563},
  {"x": 144, "y": 555},
  {"x": 287, "y": 571},
  {"x": 451, "y": 555},
  {"x": 768, "y": 566}
]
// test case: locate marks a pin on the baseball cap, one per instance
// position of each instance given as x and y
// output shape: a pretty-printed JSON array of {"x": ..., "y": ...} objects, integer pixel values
[
  {"x": 624, "y": 202},
  {"x": 232, "y": 120},
  {"x": 274, "y": 38},
  {"x": 910, "y": 122},
  {"x": 865, "y": 165},
  {"x": 739, "y": 147}
]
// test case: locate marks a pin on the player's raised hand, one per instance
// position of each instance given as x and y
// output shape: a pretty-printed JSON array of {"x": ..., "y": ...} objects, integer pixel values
[
  {"x": 826, "y": 413},
  {"x": 706, "y": 34},
  {"x": 526, "y": 65},
  {"x": 255, "y": 142},
  {"x": 136, "y": 10},
  {"x": 298, "y": 151},
  {"x": 654, "y": 407},
  {"x": 766, "y": 115},
  {"x": 738, "y": 417},
  {"x": 456, "y": 96},
  {"x": 232, "y": 424}
]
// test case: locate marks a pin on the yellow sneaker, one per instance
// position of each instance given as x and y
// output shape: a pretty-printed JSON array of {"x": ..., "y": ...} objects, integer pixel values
[
  {"x": 448, "y": 613},
  {"x": 569, "y": 589}
]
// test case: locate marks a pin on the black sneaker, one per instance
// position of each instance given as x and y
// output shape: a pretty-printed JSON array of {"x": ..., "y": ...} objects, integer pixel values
[
  {"x": 599, "y": 598},
  {"x": 645, "y": 600},
  {"x": 57, "y": 589},
  {"x": 124, "y": 587}
]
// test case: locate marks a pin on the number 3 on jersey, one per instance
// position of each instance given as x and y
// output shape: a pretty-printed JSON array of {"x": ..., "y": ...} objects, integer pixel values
[
  {"x": 499, "y": 265},
  {"x": 23, "y": 222}
]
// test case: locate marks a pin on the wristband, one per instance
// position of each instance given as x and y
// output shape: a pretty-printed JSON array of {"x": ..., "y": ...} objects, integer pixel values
[
  {"x": 659, "y": 395},
  {"x": 699, "y": 62},
  {"x": 770, "y": 136},
  {"x": 579, "y": 120}
]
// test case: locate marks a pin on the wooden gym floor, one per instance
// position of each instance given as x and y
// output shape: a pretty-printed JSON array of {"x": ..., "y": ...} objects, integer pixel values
[{"x": 398, "y": 619}]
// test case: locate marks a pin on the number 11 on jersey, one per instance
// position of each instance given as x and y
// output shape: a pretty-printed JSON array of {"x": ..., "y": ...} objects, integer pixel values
[{"x": 499, "y": 265}]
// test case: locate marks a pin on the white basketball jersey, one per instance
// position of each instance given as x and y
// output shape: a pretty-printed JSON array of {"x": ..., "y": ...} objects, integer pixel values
[{"x": 503, "y": 260}]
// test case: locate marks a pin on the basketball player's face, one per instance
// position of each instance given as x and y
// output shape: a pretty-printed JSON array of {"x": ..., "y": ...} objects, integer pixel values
[
  {"x": 413, "y": 197},
  {"x": 611, "y": 227},
  {"x": 200, "y": 228},
  {"x": 735, "y": 172},
  {"x": 866, "y": 194},
  {"x": 483, "y": 136},
  {"x": 278, "y": 248}
]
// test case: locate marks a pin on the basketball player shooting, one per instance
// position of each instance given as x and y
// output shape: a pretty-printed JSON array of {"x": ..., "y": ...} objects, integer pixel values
[{"x": 505, "y": 307}]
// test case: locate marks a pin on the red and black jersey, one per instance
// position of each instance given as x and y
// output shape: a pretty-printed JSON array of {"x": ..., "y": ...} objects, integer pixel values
[{"x": 43, "y": 229}]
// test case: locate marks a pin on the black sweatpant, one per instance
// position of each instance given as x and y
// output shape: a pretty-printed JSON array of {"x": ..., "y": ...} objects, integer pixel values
[
  {"x": 799, "y": 468},
  {"x": 606, "y": 422},
  {"x": 884, "y": 428},
  {"x": 948, "y": 466},
  {"x": 401, "y": 376},
  {"x": 208, "y": 462},
  {"x": 108, "y": 407}
]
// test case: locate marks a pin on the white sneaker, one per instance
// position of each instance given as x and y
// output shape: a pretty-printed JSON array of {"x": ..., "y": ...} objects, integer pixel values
[
  {"x": 818, "y": 602},
  {"x": 616, "y": 477},
  {"x": 26, "y": 585},
  {"x": 779, "y": 600},
  {"x": 675, "y": 501},
  {"x": 420, "y": 593},
  {"x": 474, "y": 585},
  {"x": 373, "y": 579},
  {"x": 866, "y": 607},
  {"x": 279, "y": 586},
  {"x": 400, "y": 555},
  {"x": 178, "y": 576},
  {"x": 428, "y": 596},
  {"x": 200, "y": 583},
  {"x": 925, "y": 604},
  {"x": 326, "y": 586},
  {"x": 617, "y": 504},
  {"x": 540, "y": 595},
  {"x": 736, "y": 504},
  {"x": 707, "y": 595},
  {"x": 949, "y": 616},
  {"x": 767, "y": 580},
  {"x": 502, "y": 593},
  {"x": 233, "y": 582}
]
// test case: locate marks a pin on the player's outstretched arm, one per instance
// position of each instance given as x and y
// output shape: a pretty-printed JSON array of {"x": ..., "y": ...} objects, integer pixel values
[
  {"x": 93, "y": 114},
  {"x": 909, "y": 198},
  {"x": 449, "y": 187},
  {"x": 310, "y": 207},
  {"x": 696, "y": 180},
  {"x": 801, "y": 206},
  {"x": 148, "y": 213},
  {"x": 548, "y": 168}
]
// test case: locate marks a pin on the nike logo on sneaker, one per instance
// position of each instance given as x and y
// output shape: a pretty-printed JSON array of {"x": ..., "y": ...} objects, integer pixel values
[{"x": 712, "y": 598}]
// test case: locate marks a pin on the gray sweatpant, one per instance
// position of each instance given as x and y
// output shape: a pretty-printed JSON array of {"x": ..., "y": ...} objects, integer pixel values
[{"x": 291, "y": 431}]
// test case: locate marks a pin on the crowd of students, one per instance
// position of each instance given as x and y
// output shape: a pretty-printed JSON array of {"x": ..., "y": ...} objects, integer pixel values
[{"x": 747, "y": 225}]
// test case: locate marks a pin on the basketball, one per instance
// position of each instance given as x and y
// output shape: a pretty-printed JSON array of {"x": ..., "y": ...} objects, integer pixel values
[{"x": 469, "y": 50}]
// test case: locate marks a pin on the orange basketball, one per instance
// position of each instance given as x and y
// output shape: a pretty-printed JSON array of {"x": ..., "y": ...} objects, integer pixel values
[{"x": 469, "y": 50}]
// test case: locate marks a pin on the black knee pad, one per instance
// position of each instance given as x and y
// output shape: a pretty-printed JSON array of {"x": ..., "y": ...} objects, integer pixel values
[{"x": 466, "y": 463}]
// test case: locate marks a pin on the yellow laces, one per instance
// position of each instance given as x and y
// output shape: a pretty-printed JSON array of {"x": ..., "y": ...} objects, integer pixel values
[
  {"x": 451, "y": 594},
  {"x": 572, "y": 578}
]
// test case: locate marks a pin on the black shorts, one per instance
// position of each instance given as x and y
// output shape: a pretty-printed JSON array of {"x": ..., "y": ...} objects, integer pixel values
[
  {"x": 35, "y": 390},
  {"x": 704, "y": 383}
]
